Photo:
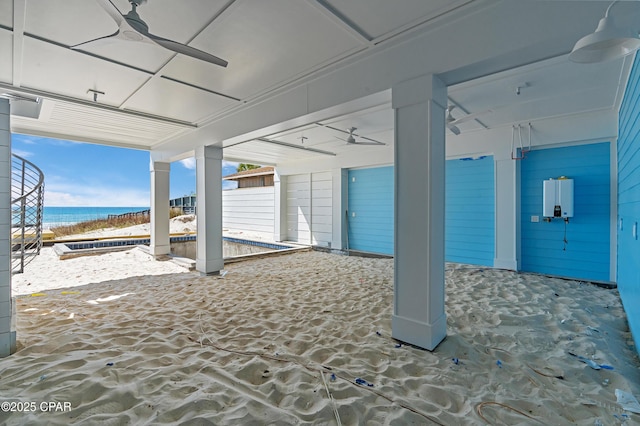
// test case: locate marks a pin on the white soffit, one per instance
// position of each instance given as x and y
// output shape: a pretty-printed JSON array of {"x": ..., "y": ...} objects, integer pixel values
[
  {"x": 266, "y": 43},
  {"x": 267, "y": 153},
  {"x": 163, "y": 97},
  {"x": 47, "y": 66},
  {"x": 90, "y": 125},
  {"x": 378, "y": 19}
]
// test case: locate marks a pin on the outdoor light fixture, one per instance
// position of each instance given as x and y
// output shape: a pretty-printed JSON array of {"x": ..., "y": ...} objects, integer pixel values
[{"x": 606, "y": 43}]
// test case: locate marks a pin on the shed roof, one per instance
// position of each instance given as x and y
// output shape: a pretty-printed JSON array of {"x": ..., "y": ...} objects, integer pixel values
[{"x": 261, "y": 171}]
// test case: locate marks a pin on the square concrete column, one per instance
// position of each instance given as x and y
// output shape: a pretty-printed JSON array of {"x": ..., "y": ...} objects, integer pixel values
[
  {"x": 280, "y": 207},
  {"x": 7, "y": 331},
  {"x": 209, "y": 257},
  {"x": 160, "y": 173},
  {"x": 419, "y": 312}
]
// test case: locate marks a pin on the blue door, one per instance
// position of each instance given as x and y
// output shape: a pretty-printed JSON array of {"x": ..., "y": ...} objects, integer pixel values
[
  {"x": 370, "y": 210},
  {"x": 470, "y": 211}
]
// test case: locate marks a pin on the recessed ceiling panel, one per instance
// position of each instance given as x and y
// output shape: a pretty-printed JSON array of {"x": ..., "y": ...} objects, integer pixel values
[
  {"x": 380, "y": 17},
  {"x": 6, "y": 13},
  {"x": 144, "y": 56},
  {"x": 62, "y": 71},
  {"x": 580, "y": 102},
  {"x": 67, "y": 21},
  {"x": 171, "y": 99},
  {"x": 266, "y": 44},
  {"x": 330, "y": 135},
  {"x": 6, "y": 61},
  {"x": 178, "y": 21},
  {"x": 537, "y": 90}
]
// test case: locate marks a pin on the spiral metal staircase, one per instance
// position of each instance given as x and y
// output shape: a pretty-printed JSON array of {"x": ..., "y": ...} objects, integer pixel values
[{"x": 27, "y": 195}]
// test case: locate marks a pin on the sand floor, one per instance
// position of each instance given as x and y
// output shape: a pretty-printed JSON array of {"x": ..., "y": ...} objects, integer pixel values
[{"x": 272, "y": 339}]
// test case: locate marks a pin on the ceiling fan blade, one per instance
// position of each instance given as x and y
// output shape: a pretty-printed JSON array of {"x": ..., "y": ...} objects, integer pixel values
[
  {"x": 102, "y": 40},
  {"x": 186, "y": 50},
  {"x": 125, "y": 30},
  {"x": 373, "y": 141},
  {"x": 470, "y": 117},
  {"x": 112, "y": 10},
  {"x": 368, "y": 143}
]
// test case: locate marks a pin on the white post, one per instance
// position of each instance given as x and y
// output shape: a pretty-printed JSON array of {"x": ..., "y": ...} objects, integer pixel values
[
  {"x": 506, "y": 214},
  {"x": 418, "y": 312},
  {"x": 280, "y": 207},
  {"x": 209, "y": 257},
  {"x": 7, "y": 335},
  {"x": 160, "y": 208},
  {"x": 339, "y": 202}
]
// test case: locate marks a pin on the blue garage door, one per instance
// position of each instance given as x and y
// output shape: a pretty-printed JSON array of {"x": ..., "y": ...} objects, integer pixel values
[
  {"x": 470, "y": 211},
  {"x": 586, "y": 253},
  {"x": 370, "y": 215}
]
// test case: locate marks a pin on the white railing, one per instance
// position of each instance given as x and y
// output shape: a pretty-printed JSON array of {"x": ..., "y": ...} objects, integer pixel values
[{"x": 27, "y": 195}]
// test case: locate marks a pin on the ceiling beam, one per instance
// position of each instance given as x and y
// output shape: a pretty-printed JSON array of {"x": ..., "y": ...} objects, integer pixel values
[
  {"x": 89, "y": 104},
  {"x": 342, "y": 21},
  {"x": 19, "y": 17}
]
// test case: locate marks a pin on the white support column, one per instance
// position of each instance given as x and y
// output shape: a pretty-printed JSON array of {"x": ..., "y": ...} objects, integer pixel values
[
  {"x": 209, "y": 257},
  {"x": 418, "y": 312},
  {"x": 280, "y": 207},
  {"x": 339, "y": 202},
  {"x": 160, "y": 208},
  {"x": 7, "y": 333},
  {"x": 506, "y": 214}
]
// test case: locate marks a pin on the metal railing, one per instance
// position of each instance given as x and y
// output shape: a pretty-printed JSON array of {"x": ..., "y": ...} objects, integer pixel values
[{"x": 27, "y": 195}]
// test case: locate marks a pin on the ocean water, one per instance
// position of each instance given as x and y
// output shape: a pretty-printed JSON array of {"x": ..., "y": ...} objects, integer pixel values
[{"x": 59, "y": 216}]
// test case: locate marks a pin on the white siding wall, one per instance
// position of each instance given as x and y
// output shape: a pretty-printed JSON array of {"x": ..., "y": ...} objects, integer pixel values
[
  {"x": 299, "y": 208},
  {"x": 321, "y": 208},
  {"x": 309, "y": 208},
  {"x": 249, "y": 209}
]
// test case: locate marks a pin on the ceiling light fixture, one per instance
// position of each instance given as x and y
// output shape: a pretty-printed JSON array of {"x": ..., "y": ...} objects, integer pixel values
[{"x": 607, "y": 42}]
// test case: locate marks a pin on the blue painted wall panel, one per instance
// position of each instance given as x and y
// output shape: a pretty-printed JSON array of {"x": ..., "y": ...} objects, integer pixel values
[
  {"x": 470, "y": 211},
  {"x": 370, "y": 193},
  {"x": 628, "y": 273},
  {"x": 586, "y": 255}
]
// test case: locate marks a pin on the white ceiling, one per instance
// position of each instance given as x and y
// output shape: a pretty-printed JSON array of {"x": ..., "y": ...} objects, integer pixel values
[{"x": 153, "y": 96}]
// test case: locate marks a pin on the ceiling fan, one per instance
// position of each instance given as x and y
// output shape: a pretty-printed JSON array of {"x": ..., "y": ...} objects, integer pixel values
[
  {"x": 132, "y": 28},
  {"x": 351, "y": 139},
  {"x": 452, "y": 122}
]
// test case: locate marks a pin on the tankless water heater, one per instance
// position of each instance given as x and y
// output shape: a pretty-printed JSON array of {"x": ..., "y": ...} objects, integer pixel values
[{"x": 557, "y": 198}]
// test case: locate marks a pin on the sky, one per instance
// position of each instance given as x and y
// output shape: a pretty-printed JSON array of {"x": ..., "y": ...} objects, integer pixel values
[{"x": 89, "y": 175}]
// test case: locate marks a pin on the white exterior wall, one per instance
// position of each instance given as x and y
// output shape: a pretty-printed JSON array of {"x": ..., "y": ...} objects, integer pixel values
[
  {"x": 249, "y": 209},
  {"x": 310, "y": 208},
  {"x": 321, "y": 208},
  {"x": 299, "y": 208}
]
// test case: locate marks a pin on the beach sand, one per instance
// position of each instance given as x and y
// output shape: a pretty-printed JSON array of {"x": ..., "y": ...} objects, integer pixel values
[{"x": 257, "y": 346}]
